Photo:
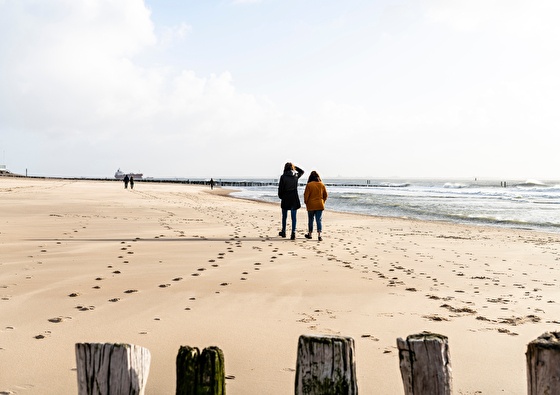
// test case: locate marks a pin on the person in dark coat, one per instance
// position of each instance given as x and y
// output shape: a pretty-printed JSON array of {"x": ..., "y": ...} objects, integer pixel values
[
  {"x": 288, "y": 194},
  {"x": 131, "y": 182},
  {"x": 125, "y": 180}
]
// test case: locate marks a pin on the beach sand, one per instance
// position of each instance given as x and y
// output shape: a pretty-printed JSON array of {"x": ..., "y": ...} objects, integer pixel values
[{"x": 166, "y": 265}]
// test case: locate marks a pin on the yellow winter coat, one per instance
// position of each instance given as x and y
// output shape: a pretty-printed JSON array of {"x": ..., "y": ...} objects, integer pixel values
[{"x": 315, "y": 196}]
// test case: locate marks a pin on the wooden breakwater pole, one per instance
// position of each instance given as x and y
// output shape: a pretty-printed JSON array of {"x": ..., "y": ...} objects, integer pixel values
[
  {"x": 425, "y": 364},
  {"x": 543, "y": 365},
  {"x": 325, "y": 366},
  {"x": 111, "y": 369},
  {"x": 200, "y": 373}
]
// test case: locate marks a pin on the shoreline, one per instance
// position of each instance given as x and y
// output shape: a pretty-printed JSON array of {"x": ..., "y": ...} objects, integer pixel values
[
  {"x": 228, "y": 190},
  {"x": 166, "y": 265}
]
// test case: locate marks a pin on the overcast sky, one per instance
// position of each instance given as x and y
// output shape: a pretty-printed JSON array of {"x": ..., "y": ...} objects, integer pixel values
[{"x": 235, "y": 88}]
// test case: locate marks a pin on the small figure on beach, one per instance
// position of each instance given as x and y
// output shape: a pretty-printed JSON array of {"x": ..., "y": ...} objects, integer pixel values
[
  {"x": 131, "y": 182},
  {"x": 288, "y": 194},
  {"x": 211, "y": 183},
  {"x": 315, "y": 196},
  {"x": 125, "y": 180}
]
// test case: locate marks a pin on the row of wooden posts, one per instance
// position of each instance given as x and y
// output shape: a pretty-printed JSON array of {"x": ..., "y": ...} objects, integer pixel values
[{"x": 325, "y": 366}]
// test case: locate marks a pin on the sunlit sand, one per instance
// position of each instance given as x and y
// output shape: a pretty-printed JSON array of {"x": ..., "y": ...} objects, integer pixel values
[{"x": 166, "y": 265}]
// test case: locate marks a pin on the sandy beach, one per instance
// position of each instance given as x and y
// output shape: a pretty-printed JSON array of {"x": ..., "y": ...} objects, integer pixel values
[{"x": 166, "y": 265}]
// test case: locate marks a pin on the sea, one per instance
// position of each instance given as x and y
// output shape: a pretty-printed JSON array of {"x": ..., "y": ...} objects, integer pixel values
[{"x": 521, "y": 204}]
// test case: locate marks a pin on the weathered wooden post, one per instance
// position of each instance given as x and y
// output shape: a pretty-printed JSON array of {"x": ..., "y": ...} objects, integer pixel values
[
  {"x": 425, "y": 364},
  {"x": 325, "y": 366},
  {"x": 200, "y": 373},
  {"x": 543, "y": 364},
  {"x": 105, "y": 369}
]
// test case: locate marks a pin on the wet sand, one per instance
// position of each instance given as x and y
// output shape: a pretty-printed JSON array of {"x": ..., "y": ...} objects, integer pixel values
[{"x": 166, "y": 265}]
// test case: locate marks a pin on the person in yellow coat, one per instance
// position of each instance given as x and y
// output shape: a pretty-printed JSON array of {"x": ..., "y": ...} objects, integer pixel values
[{"x": 315, "y": 196}]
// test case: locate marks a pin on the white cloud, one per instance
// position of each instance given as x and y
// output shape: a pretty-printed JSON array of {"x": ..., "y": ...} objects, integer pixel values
[
  {"x": 64, "y": 61},
  {"x": 522, "y": 19},
  {"x": 78, "y": 72},
  {"x": 170, "y": 34}
]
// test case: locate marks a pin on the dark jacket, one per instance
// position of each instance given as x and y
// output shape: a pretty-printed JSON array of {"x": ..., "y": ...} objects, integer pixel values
[{"x": 287, "y": 189}]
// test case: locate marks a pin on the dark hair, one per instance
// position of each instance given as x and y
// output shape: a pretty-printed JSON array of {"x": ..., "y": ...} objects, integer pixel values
[
  {"x": 288, "y": 166},
  {"x": 314, "y": 176}
]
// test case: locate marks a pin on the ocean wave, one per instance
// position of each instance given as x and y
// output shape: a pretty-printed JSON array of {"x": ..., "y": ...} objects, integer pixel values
[
  {"x": 531, "y": 183},
  {"x": 391, "y": 185},
  {"x": 455, "y": 185}
]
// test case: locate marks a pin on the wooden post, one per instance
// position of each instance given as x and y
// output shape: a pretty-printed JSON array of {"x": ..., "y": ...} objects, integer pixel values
[
  {"x": 325, "y": 366},
  {"x": 543, "y": 364},
  {"x": 105, "y": 369},
  {"x": 200, "y": 373},
  {"x": 425, "y": 364}
]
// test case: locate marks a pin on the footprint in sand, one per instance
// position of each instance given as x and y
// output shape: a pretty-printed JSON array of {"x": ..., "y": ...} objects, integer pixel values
[
  {"x": 435, "y": 317},
  {"x": 85, "y": 308},
  {"x": 507, "y": 331},
  {"x": 130, "y": 291}
]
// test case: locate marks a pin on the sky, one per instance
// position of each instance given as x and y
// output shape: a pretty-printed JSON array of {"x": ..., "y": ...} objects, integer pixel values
[{"x": 236, "y": 88}]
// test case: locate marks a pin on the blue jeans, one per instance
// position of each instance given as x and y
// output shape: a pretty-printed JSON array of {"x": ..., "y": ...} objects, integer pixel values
[
  {"x": 285, "y": 217},
  {"x": 318, "y": 216}
]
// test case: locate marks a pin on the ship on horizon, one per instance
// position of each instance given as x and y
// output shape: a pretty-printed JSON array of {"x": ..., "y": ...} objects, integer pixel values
[{"x": 119, "y": 175}]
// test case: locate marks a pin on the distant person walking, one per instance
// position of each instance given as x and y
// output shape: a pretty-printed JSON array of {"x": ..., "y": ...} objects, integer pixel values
[
  {"x": 211, "y": 183},
  {"x": 288, "y": 193},
  {"x": 131, "y": 182},
  {"x": 126, "y": 179},
  {"x": 315, "y": 196}
]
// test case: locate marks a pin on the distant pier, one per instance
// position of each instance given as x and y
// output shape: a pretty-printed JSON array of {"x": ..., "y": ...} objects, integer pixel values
[{"x": 218, "y": 183}]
